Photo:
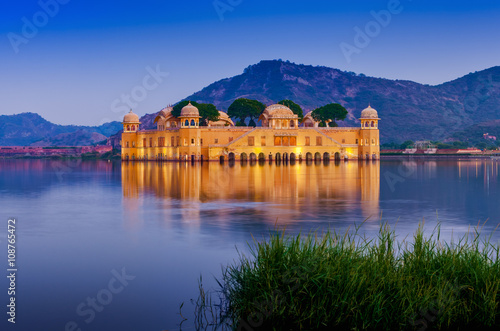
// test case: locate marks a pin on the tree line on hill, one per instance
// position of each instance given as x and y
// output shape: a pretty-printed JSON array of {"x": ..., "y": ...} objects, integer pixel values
[{"x": 248, "y": 111}]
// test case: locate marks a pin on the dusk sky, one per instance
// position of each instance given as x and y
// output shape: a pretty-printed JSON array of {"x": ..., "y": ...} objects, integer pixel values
[{"x": 73, "y": 63}]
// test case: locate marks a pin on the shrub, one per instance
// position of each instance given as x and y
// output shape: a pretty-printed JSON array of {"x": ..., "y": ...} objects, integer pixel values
[{"x": 346, "y": 281}]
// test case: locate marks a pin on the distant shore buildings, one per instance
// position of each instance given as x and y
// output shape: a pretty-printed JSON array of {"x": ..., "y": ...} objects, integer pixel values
[
  {"x": 281, "y": 137},
  {"x": 487, "y": 136},
  {"x": 30, "y": 151}
]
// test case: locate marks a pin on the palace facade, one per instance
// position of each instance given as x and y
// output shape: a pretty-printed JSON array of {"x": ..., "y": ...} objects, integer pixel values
[{"x": 281, "y": 137}]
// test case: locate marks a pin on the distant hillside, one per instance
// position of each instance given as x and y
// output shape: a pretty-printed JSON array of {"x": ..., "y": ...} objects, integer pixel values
[
  {"x": 408, "y": 110},
  {"x": 28, "y": 128},
  {"x": 77, "y": 138},
  {"x": 474, "y": 133}
]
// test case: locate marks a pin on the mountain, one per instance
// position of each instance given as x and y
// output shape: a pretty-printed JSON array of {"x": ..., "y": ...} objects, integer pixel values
[
  {"x": 474, "y": 134},
  {"x": 408, "y": 110},
  {"x": 77, "y": 138},
  {"x": 29, "y": 128}
]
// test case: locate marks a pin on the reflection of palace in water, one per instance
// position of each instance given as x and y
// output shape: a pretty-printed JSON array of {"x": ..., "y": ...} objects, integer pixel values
[{"x": 301, "y": 186}]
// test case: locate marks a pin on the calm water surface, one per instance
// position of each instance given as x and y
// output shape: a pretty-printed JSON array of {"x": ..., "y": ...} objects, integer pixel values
[{"x": 81, "y": 223}]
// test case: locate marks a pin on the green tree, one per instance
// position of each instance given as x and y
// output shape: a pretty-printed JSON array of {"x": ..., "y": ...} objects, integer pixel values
[
  {"x": 406, "y": 144},
  {"x": 482, "y": 145},
  {"x": 440, "y": 145},
  {"x": 390, "y": 145},
  {"x": 297, "y": 110},
  {"x": 332, "y": 111},
  {"x": 460, "y": 144},
  {"x": 244, "y": 108},
  {"x": 208, "y": 111}
]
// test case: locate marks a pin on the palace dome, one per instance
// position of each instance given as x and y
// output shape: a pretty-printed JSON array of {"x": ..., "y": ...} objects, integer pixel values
[
  {"x": 165, "y": 112},
  {"x": 278, "y": 110},
  {"x": 190, "y": 111},
  {"x": 369, "y": 113},
  {"x": 130, "y": 118},
  {"x": 223, "y": 115},
  {"x": 223, "y": 120}
]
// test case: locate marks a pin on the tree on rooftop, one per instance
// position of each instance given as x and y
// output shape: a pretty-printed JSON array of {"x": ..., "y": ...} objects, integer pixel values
[
  {"x": 243, "y": 108},
  {"x": 332, "y": 111},
  {"x": 297, "y": 110},
  {"x": 208, "y": 112}
]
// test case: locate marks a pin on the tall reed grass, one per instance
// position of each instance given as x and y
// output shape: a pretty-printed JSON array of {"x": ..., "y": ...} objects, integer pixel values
[{"x": 345, "y": 281}]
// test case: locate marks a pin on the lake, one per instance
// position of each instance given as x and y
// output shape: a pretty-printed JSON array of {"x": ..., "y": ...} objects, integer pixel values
[{"x": 119, "y": 246}]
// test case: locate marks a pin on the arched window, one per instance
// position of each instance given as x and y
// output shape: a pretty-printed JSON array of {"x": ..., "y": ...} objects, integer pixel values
[
  {"x": 133, "y": 127},
  {"x": 192, "y": 123},
  {"x": 186, "y": 123},
  {"x": 292, "y": 123},
  {"x": 128, "y": 127},
  {"x": 373, "y": 124}
]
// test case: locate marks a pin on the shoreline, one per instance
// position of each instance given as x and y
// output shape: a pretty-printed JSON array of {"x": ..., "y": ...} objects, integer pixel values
[
  {"x": 434, "y": 156},
  {"x": 115, "y": 157}
]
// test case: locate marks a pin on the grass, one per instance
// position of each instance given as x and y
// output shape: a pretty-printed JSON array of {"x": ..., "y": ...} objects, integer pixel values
[{"x": 346, "y": 281}]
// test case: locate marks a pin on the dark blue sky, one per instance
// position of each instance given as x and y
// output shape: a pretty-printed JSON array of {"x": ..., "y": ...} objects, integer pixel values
[{"x": 84, "y": 62}]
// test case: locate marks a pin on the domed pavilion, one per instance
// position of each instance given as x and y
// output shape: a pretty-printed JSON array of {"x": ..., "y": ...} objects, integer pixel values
[{"x": 279, "y": 117}]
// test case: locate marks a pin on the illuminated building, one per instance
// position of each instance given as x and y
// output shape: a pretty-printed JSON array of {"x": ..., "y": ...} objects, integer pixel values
[{"x": 281, "y": 137}]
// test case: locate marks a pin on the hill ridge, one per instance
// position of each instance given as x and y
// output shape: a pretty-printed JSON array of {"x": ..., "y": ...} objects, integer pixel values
[{"x": 28, "y": 128}]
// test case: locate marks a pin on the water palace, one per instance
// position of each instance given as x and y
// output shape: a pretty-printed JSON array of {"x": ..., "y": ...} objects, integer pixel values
[{"x": 281, "y": 137}]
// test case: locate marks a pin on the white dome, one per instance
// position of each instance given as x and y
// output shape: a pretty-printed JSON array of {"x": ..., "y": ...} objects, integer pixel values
[
  {"x": 130, "y": 118},
  {"x": 369, "y": 113},
  {"x": 278, "y": 110},
  {"x": 190, "y": 111}
]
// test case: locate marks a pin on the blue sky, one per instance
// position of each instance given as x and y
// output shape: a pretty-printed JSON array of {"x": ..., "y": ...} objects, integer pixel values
[{"x": 86, "y": 57}]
